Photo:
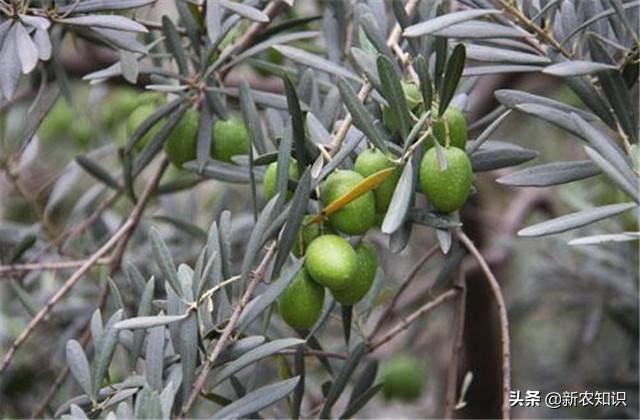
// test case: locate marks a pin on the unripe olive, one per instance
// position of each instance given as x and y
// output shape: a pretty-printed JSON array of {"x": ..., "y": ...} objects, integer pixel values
[
  {"x": 457, "y": 128},
  {"x": 362, "y": 280},
  {"x": 306, "y": 234},
  {"x": 300, "y": 305},
  {"x": 356, "y": 217},
  {"x": 402, "y": 378},
  {"x": 270, "y": 182},
  {"x": 57, "y": 122},
  {"x": 447, "y": 189},
  {"x": 230, "y": 138},
  {"x": 137, "y": 117},
  {"x": 331, "y": 261},
  {"x": 371, "y": 161},
  {"x": 182, "y": 142}
]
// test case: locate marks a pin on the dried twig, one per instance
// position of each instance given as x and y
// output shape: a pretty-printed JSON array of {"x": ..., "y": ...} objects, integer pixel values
[
  {"x": 48, "y": 265},
  {"x": 405, "y": 323}
]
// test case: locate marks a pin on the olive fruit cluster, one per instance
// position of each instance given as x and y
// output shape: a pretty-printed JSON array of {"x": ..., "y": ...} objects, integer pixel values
[
  {"x": 332, "y": 263},
  {"x": 229, "y": 137}
]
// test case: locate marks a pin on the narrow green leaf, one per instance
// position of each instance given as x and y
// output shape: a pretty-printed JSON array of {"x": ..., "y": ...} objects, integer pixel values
[
  {"x": 164, "y": 261},
  {"x": 297, "y": 210},
  {"x": 79, "y": 366},
  {"x": 152, "y": 120},
  {"x": 444, "y": 21},
  {"x": 270, "y": 295},
  {"x": 174, "y": 45},
  {"x": 577, "y": 68},
  {"x": 298, "y": 395},
  {"x": 317, "y": 62},
  {"x": 343, "y": 377},
  {"x": 297, "y": 124},
  {"x": 98, "y": 172},
  {"x": 154, "y": 358},
  {"x": 556, "y": 173},
  {"x": 496, "y": 155},
  {"x": 575, "y": 220},
  {"x": 254, "y": 355},
  {"x": 143, "y": 322},
  {"x": 362, "y": 119},
  {"x": 357, "y": 404},
  {"x": 422, "y": 68},
  {"x": 394, "y": 94},
  {"x": 103, "y": 359},
  {"x": 400, "y": 200},
  {"x": 258, "y": 399},
  {"x": 630, "y": 188},
  {"x": 245, "y": 11},
  {"x": 452, "y": 74},
  {"x": 144, "y": 309}
]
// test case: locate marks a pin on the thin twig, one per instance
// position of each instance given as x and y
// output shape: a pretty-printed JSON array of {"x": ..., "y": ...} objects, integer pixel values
[
  {"x": 226, "y": 334},
  {"x": 412, "y": 275},
  {"x": 129, "y": 224},
  {"x": 49, "y": 265},
  {"x": 502, "y": 314},
  {"x": 405, "y": 323},
  {"x": 456, "y": 346}
]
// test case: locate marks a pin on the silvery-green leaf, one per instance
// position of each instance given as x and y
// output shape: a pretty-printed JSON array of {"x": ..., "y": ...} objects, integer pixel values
[
  {"x": 106, "y": 21},
  {"x": 575, "y": 220},
  {"x": 268, "y": 43},
  {"x": 362, "y": 119},
  {"x": 77, "y": 413},
  {"x": 123, "y": 40},
  {"x": 258, "y": 399},
  {"x": 43, "y": 43},
  {"x": 316, "y": 130},
  {"x": 213, "y": 19},
  {"x": 614, "y": 173},
  {"x": 154, "y": 145},
  {"x": 26, "y": 48},
  {"x": 240, "y": 347},
  {"x": 400, "y": 200},
  {"x": 315, "y": 61},
  {"x": 267, "y": 99},
  {"x": 254, "y": 355},
  {"x": 576, "y": 68},
  {"x": 551, "y": 115},
  {"x": 484, "y": 136},
  {"x": 144, "y": 309},
  {"x": 164, "y": 260},
  {"x": 499, "y": 69},
  {"x": 10, "y": 69},
  {"x": 223, "y": 171},
  {"x": 444, "y": 21},
  {"x": 595, "y": 18},
  {"x": 511, "y": 98},
  {"x": 479, "y": 29},
  {"x": 603, "y": 239},
  {"x": 79, "y": 365},
  {"x": 343, "y": 377},
  {"x": 445, "y": 240},
  {"x": 499, "y": 55},
  {"x": 96, "y": 330},
  {"x": 154, "y": 357},
  {"x": 432, "y": 219},
  {"x": 244, "y": 10},
  {"x": 103, "y": 359},
  {"x": 372, "y": 30},
  {"x": 251, "y": 117},
  {"x": 556, "y": 173},
  {"x": 606, "y": 147},
  {"x": 367, "y": 64},
  {"x": 167, "y": 397},
  {"x": 130, "y": 66},
  {"x": 270, "y": 295},
  {"x": 496, "y": 155},
  {"x": 89, "y": 6},
  {"x": 256, "y": 238},
  {"x": 148, "y": 321}
]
